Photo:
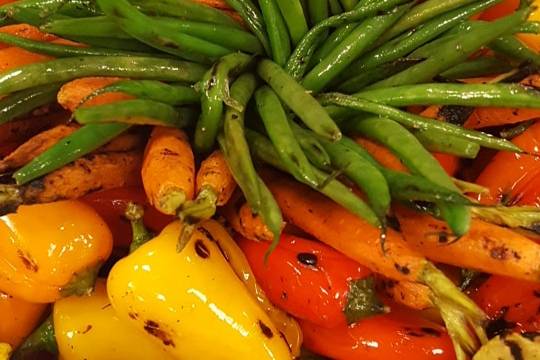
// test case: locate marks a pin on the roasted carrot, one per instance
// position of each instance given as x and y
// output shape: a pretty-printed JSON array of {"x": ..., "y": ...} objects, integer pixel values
[
  {"x": 240, "y": 217},
  {"x": 486, "y": 247},
  {"x": 85, "y": 175},
  {"x": 72, "y": 94},
  {"x": 168, "y": 170},
  {"x": 411, "y": 294},
  {"x": 335, "y": 226},
  {"x": 18, "y": 131},
  {"x": 382, "y": 154},
  {"x": 507, "y": 173},
  {"x": 35, "y": 146},
  {"x": 26, "y": 31},
  {"x": 128, "y": 141},
  {"x": 13, "y": 57}
]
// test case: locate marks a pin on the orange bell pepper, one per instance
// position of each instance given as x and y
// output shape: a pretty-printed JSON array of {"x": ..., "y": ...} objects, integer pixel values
[
  {"x": 51, "y": 250},
  {"x": 19, "y": 318}
]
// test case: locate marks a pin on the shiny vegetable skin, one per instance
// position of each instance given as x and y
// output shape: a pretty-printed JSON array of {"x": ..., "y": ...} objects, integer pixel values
[
  {"x": 277, "y": 31},
  {"x": 193, "y": 283},
  {"x": 31, "y": 271},
  {"x": 19, "y": 318},
  {"x": 63, "y": 70},
  {"x": 88, "y": 327},
  {"x": 313, "y": 282},
  {"x": 400, "y": 334},
  {"x": 298, "y": 100},
  {"x": 293, "y": 13},
  {"x": 253, "y": 18},
  {"x": 25, "y": 101}
]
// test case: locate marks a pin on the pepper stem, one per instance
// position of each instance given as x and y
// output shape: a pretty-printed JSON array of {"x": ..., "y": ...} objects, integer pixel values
[
  {"x": 10, "y": 198},
  {"x": 527, "y": 217},
  {"x": 41, "y": 340},
  {"x": 82, "y": 283},
  {"x": 135, "y": 213},
  {"x": 463, "y": 318},
  {"x": 193, "y": 212}
]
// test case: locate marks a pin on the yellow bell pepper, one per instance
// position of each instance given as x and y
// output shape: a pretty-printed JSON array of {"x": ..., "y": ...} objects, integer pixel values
[
  {"x": 5, "y": 351},
  {"x": 88, "y": 328},
  {"x": 18, "y": 318},
  {"x": 48, "y": 250},
  {"x": 532, "y": 40},
  {"x": 192, "y": 303}
]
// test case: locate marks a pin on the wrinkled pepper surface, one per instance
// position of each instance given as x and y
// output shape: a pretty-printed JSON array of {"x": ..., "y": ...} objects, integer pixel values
[
  {"x": 192, "y": 303},
  {"x": 51, "y": 250}
]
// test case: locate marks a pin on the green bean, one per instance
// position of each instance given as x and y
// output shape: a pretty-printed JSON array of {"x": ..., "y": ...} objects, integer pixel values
[
  {"x": 77, "y": 144},
  {"x": 348, "y": 5},
  {"x": 25, "y": 101},
  {"x": 407, "y": 187},
  {"x": 529, "y": 27},
  {"x": 136, "y": 112},
  {"x": 312, "y": 147},
  {"x": 483, "y": 66},
  {"x": 277, "y": 31},
  {"x": 499, "y": 95},
  {"x": 417, "y": 159},
  {"x": 434, "y": 141},
  {"x": 63, "y": 70},
  {"x": 454, "y": 52},
  {"x": 280, "y": 133},
  {"x": 332, "y": 42},
  {"x": 510, "y": 46},
  {"x": 171, "y": 94},
  {"x": 298, "y": 100},
  {"x": 318, "y": 11},
  {"x": 333, "y": 189},
  {"x": 416, "y": 122},
  {"x": 215, "y": 92},
  {"x": 35, "y": 12},
  {"x": 234, "y": 144},
  {"x": 365, "y": 78},
  {"x": 294, "y": 18},
  {"x": 354, "y": 45},
  {"x": 113, "y": 43},
  {"x": 410, "y": 41},
  {"x": 185, "y": 9},
  {"x": 253, "y": 18},
  {"x": 271, "y": 215},
  {"x": 59, "y": 50},
  {"x": 423, "y": 12},
  {"x": 160, "y": 35},
  {"x": 335, "y": 7},
  {"x": 97, "y": 26},
  {"x": 301, "y": 56}
]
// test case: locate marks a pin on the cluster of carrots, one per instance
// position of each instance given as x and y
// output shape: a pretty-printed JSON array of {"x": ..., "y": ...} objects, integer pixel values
[{"x": 84, "y": 273}]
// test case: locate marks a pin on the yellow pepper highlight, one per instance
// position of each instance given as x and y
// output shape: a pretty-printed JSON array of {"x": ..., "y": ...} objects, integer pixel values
[
  {"x": 44, "y": 248},
  {"x": 192, "y": 303},
  {"x": 88, "y": 328}
]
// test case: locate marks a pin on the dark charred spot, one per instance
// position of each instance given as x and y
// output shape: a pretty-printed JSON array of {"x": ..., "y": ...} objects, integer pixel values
[
  {"x": 201, "y": 249},
  {"x": 133, "y": 315},
  {"x": 515, "y": 349},
  {"x": 412, "y": 332},
  {"x": 498, "y": 327},
  {"x": 536, "y": 293},
  {"x": 499, "y": 253},
  {"x": 106, "y": 306},
  {"x": 455, "y": 114},
  {"x": 531, "y": 335},
  {"x": 27, "y": 261},
  {"x": 430, "y": 331},
  {"x": 284, "y": 295},
  {"x": 168, "y": 152},
  {"x": 307, "y": 259},
  {"x": 234, "y": 116},
  {"x": 266, "y": 330},
  {"x": 207, "y": 234},
  {"x": 87, "y": 329},
  {"x": 443, "y": 237},
  {"x": 284, "y": 338},
  {"x": 154, "y": 329},
  {"x": 402, "y": 269}
]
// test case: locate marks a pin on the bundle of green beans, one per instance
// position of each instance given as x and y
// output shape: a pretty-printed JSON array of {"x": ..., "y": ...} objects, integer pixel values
[{"x": 253, "y": 88}]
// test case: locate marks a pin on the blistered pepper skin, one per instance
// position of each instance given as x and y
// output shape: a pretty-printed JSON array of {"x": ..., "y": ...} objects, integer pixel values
[
  {"x": 87, "y": 327},
  {"x": 44, "y": 247},
  {"x": 192, "y": 303},
  {"x": 18, "y": 319}
]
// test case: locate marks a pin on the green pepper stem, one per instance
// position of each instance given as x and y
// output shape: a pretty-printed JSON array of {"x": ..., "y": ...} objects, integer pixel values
[
  {"x": 41, "y": 340},
  {"x": 82, "y": 283},
  {"x": 527, "y": 217},
  {"x": 135, "y": 213}
]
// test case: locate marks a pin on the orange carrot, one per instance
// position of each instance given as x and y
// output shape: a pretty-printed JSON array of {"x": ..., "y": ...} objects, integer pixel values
[
  {"x": 413, "y": 295},
  {"x": 507, "y": 172},
  {"x": 27, "y": 32},
  {"x": 13, "y": 57},
  {"x": 382, "y": 155},
  {"x": 35, "y": 146},
  {"x": 18, "y": 131},
  {"x": 215, "y": 174},
  {"x": 72, "y": 94},
  {"x": 128, "y": 141},
  {"x": 168, "y": 170},
  {"x": 240, "y": 217},
  {"x": 486, "y": 247}
]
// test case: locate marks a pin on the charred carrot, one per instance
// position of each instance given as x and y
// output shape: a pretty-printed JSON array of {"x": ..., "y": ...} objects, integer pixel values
[
  {"x": 411, "y": 294},
  {"x": 351, "y": 235},
  {"x": 168, "y": 170},
  {"x": 35, "y": 146},
  {"x": 214, "y": 187},
  {"x": 486, "y": 247},
  {"x": 20, "y": 130},
  {"x": 87, "y": 174},
  {"x": 128, "y": 141},
  {"x": 73, "y": 94},
  {"x": 242, "y": 219}
]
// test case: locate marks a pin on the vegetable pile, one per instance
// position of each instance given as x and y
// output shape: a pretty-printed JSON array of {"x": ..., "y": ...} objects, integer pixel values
[{"x": 352, "y": 147}]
